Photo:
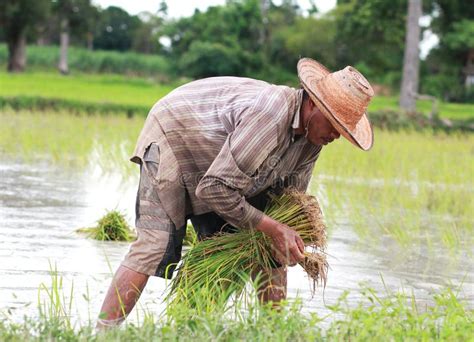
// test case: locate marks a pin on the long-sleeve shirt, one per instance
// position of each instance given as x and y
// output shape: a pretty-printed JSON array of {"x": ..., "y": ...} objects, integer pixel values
[{"x": 222, "y": 140}]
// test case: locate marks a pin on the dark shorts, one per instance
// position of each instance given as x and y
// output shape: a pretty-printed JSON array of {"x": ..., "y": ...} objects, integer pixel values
[{"x": 157, "y": 250}]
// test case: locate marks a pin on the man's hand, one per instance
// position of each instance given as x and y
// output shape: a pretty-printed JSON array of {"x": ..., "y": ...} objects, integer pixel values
[{"x": 288, "y": 247}]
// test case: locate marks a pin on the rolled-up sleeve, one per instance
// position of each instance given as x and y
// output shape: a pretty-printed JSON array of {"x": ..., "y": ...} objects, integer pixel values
[{"x": 255, "y": 137}]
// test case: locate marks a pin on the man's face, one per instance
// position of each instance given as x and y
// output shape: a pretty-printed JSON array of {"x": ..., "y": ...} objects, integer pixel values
[{"x": 320, "y": 129}]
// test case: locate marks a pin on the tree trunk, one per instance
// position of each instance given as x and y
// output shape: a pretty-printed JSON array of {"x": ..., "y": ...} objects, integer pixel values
[
  {"x": 411, "y": 59},
  {"x": 90, "y": 41},
  {"x": 17, "y": 53},
  {"x": 64, "y": 44}
]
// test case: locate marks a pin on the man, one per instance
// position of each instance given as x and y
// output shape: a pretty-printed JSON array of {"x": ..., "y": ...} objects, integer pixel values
[{"x": 212, "y": 148}]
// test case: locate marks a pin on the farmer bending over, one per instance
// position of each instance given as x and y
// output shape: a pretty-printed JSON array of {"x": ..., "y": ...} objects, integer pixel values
[{"x": 211, "y": 149}]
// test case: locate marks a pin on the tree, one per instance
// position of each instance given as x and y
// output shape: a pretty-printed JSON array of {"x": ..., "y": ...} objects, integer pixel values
[
  {"x": 232, "y": 31},
  {"x": 444, "y": 69},
  {"x": 18, "y": 18},
  {"x": 307, "y": 36},
  {"x": 147, "y": 34},
  {"x": 411, "y": 60},
  {"x": 370, "y": 36},
  {"x": 116, "y": 29}
]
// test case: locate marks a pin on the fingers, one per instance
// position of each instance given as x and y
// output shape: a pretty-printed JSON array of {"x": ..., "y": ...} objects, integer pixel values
[
  {"x": 300, "y": 243},
  {"x": 297, "y": 256},
  {"x": 288, "y": 248},
  {"x": 283, "y": 255}
]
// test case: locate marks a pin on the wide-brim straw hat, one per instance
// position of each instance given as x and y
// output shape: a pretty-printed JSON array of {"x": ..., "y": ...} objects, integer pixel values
[{"x": 342, "y": 96}]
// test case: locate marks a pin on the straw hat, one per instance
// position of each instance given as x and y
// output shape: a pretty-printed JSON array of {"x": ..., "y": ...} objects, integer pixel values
[{"x": 342, "y": 96}]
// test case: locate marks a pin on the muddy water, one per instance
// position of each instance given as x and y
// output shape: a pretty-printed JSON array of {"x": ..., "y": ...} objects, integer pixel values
[{"x": 41, "y": 206}]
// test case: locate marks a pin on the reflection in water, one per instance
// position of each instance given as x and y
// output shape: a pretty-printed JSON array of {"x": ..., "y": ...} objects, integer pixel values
[{"x": 41, "y": 206}]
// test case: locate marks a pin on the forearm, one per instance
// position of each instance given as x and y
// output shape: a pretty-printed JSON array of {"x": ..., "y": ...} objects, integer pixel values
[{"x": 228, "y": 203}]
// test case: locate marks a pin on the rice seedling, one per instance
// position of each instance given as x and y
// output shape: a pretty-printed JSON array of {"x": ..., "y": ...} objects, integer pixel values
[
  {"x": 191, "y": 238},
  {"x": 392, "y": 316},
  {"x": 111, "y": 227},
  {"x": 220, "y": 267}
]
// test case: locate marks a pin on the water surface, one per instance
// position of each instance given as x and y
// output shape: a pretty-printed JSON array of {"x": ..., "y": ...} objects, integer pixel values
[{"x": 42, "y": 205}]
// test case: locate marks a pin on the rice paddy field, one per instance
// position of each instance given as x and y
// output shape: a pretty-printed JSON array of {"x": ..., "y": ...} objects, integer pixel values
[{"x": 400, "y": 231}]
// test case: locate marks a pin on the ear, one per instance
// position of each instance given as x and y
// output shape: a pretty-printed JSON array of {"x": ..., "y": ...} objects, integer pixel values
[{"x": 311, "y": 103}]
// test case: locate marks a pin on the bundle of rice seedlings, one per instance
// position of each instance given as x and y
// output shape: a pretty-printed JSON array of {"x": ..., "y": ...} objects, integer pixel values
[
  {"x": 220, "y": 267},
  {"x": 111, "y": 227}
]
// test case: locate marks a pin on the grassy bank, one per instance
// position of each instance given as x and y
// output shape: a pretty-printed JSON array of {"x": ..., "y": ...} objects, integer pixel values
[
  {"x": 82, "y": 90},
  {"x": 95, "y": 93},
  {"x": 454, "y": 111}
]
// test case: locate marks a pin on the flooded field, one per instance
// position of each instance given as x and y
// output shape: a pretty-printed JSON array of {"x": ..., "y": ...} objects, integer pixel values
[{"x": 393, "y": 224}]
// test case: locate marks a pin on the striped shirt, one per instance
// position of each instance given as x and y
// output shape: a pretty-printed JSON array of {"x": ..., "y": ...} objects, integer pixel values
[{"x": 222, "y": 140}]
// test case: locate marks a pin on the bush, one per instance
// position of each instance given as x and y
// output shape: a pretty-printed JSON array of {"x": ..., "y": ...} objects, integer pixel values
[{"x": 205, "y": 59}]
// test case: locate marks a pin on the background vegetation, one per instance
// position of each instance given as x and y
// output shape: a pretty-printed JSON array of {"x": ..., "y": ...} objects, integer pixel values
[{"x": 257, "y": 38}]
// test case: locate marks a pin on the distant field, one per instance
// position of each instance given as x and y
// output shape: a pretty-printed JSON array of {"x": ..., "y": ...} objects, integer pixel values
[
  {"x": 140, "y": 92},
  {"x": 105, "y": 89},
  {"x": 456, "y": 111}
]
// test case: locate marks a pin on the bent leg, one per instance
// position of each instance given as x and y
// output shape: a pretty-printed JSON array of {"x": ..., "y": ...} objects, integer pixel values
[
  {"x": 272, "y": 287},
  {"x": 124, "y": 291}
]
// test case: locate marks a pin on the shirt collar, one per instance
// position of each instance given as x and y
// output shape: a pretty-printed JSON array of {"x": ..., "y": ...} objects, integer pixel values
[{"x": 296, "y": 119}]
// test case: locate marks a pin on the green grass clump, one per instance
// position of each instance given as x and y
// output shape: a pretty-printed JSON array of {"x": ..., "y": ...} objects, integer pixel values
[
  {"x": 220, "y": 267},
  {"x": 111, "y": 227}
]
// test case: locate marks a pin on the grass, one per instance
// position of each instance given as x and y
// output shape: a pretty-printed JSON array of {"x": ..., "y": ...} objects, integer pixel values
[
  {"x": 44, "y": 90},
  {"x": 414, "y": 187},
  {"x": 84, "y": 88},
  {"x": 82, "y": 140},
  {"x": 390, "y": 316},
  {"x": 111, "y": 227},
  {"x": 455, "y": 111}
]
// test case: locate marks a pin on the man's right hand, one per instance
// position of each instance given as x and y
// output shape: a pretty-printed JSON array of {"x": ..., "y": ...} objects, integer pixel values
[{"x": 288, "y": 247}]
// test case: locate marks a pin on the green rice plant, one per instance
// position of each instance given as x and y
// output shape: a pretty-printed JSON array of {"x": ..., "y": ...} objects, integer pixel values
[
  {"x": 413, "y": 190},
  {"x": 71, "y": 141},
  {"x": 191, "y": 238},
  {"x": 376, "y": 317},
  {"x": 57, "y": 306},
  {"x": 111, "y": 227},
  {"x": 220, "y": 267}
]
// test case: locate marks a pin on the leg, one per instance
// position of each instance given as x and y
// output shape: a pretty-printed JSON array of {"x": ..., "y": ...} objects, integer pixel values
[
  {"x": 156, "y": 251},
  {"x": 123, "y": 293},
  {"x": 272, "y": 287}
]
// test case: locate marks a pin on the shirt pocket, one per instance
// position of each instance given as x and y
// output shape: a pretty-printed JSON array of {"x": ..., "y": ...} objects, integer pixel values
[{"x": 151, "y": 162}]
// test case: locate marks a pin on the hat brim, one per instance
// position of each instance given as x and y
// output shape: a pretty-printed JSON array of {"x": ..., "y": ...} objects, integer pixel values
[{"x": 362, "y": 135}]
